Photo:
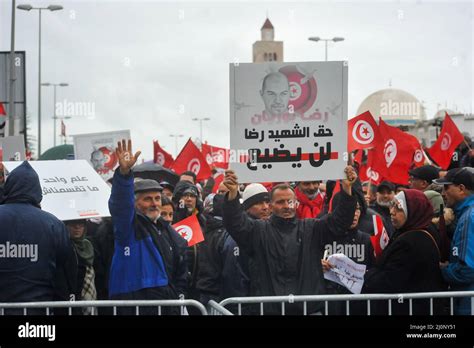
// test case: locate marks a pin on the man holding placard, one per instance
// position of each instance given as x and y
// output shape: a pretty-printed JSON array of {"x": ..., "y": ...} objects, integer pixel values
[{"x": 285, "y": 252}]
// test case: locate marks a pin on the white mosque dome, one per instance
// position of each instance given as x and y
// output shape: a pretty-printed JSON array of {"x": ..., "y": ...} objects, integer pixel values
[{"x": 394, "y": 106}]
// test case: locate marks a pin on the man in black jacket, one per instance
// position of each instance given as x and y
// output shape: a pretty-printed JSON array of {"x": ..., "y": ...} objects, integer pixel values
[{"x": 286, "y": 252}]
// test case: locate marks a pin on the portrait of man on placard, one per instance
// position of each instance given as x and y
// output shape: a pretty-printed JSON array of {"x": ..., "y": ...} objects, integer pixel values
[{"x": 276, "y": 93}]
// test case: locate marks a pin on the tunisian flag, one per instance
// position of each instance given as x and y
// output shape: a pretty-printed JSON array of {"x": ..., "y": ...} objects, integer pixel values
[
  {"x": 448, "y": 140},
  {"x": 160, "y": 156},
  {"x": 190, "y": 158},
  {"x": 394, "y": 154},
  {"x": 190, "y": 230},
  {"x": 419, "y": 157},
  {"x": 362, "y": 132},
  {"x": 216, "y": 156},
  {"x": 380, "y": 238},
  {"x": 366, "y": 172}
]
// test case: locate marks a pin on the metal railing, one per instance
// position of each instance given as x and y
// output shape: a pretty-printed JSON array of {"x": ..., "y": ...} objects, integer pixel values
[
  {"x": 135, "y": 307},
  {"x": 305, "y": 299},
  {"x": 215, "y": 308},
  {"x": 158, "y": 304}
]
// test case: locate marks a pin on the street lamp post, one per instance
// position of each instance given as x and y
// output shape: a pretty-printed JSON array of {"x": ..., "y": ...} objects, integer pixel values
[
  {"x": 11, "y": 95},
  {"x": 47, "y": 84},
  {"x": 201, "y": 119},
  {"x": 176, "y": 136},
  {"x": 49, "y": 8},
  {"x": 334, "y": 39}
]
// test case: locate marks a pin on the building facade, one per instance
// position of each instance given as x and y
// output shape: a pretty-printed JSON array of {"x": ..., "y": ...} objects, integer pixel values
[{"x": 267, "y": 49}]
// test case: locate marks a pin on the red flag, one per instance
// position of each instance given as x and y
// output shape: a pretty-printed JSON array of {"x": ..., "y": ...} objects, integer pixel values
[
  {"x": 160, "y": 156},
  {"x": 394, "y": 153},
  {"x": 362, "y": 132},
  {"x": 367, "y": 172},
  {"x": 2, "y": 109},
  {"x": 190, "y": 158},
  {"x": 63, "y": 129},
  {"x": 190, "y": 230},
  {"x": 337, "y": 188},
  {"x": 217, "y": 181},
  {"x": 380, "y": 238},
  {"x": 448, "y": 140},
  {"x": 359, "y": 156},
  {"x": 215, "y": 156},
  {"x": 419, "y": 157}
]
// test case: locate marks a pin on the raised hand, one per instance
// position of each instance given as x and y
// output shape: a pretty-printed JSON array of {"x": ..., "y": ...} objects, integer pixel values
[
  {"x": 231, "y": 182},
  {"x": 125, "y": 156},
  {"x": 351, "y": 177}
]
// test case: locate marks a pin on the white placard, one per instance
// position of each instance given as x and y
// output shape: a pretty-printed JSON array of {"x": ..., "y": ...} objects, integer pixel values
[
  {"x": 290, "y": 119},
  {"x": 71, "y": 189},
  {"x": 346, "y": 272},
  {"x": 99, "y": 150}
]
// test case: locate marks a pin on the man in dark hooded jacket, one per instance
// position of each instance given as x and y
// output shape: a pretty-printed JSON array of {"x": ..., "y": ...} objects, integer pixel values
[
  {"x": 285, "y": 252},
  {"x": 40, "y": 238},
  {"x": 187, "y": 203}
]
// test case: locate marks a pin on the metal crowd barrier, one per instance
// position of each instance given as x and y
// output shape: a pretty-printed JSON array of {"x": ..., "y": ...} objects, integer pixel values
[
  {"x": 290, "y": 299},
  {"x": 216, "y": 309},
  {"x": 237, "y": 303},
  {"x": 159, "y": 304}
]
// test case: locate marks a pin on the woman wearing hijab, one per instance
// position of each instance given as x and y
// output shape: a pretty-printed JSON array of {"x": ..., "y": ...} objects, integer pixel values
[
  {"x": 410, "y": 262},
  {"x": 86, "y": 290}
]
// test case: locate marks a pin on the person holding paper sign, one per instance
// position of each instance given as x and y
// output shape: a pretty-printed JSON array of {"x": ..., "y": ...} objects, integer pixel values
[
  {"x": 410, "y": 261},
  {"x": 356, "y": 245},
  {"x": 285, "y": 252},
  {"x": 149, "y": 261}
]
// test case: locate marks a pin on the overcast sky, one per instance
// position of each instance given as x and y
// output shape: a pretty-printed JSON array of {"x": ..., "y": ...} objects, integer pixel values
[{"x": 151, "y": 66}]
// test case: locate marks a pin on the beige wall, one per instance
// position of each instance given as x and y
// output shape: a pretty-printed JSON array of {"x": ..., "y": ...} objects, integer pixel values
[{"x": 262, "y": 47}]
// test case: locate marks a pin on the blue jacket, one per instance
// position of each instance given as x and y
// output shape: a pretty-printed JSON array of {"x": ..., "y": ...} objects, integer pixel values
[
  {"x": 137, "y": 262},
  {"x": 460, "y": 271},
  {"x": 24, "y": 226}
]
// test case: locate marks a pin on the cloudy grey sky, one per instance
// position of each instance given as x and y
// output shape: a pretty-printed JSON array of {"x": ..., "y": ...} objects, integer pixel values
[{"x": 151, "y": 66}]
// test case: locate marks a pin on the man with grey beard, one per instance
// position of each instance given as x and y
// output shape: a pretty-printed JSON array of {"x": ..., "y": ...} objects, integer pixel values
[
  {"x": 385, "y": 195},
  {"x": 141, "y": 266}
]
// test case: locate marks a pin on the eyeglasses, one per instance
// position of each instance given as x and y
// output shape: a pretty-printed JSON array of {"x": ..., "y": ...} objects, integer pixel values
[{"x": 395, "y": 203}]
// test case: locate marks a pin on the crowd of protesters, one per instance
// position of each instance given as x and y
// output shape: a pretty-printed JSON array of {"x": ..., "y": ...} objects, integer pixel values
[{"x": 259, "y": 241}]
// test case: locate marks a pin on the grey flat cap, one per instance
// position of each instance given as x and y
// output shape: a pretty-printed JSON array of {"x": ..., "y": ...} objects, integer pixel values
[{"x": 147, "y": 185}]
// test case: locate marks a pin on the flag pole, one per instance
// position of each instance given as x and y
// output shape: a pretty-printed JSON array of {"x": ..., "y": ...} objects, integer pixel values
[{"x": 468, "y": 146}]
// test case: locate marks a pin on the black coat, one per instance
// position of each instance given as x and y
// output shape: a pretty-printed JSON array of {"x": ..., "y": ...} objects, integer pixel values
[
  {"x": 409, "y": 263},
  {"x": 104, "y": 247},
  {"x": 223, "y": 270},
  {"x": 172, "y": 248},
  {"x": 361, "y": 241},
  {"x": 210, "y": 264},
  {"x": 33, "y": 277},
  {"x": 286, "y": 253}
]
